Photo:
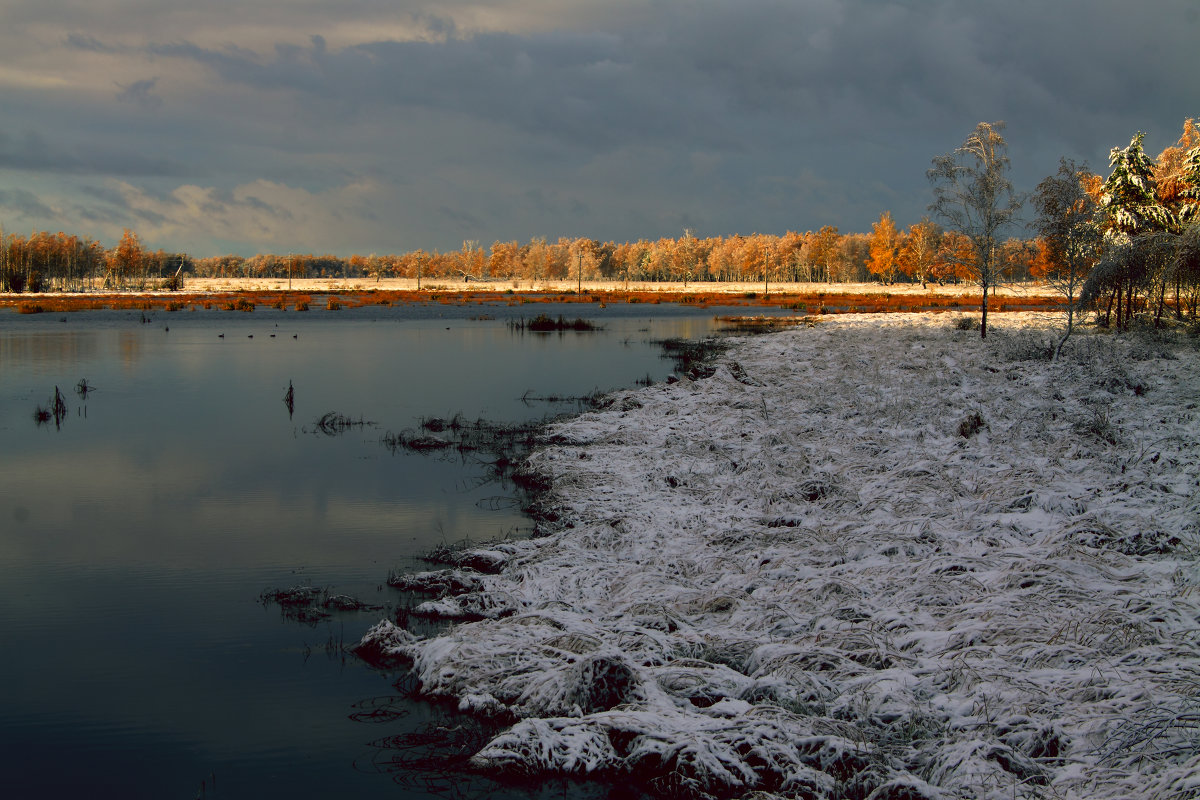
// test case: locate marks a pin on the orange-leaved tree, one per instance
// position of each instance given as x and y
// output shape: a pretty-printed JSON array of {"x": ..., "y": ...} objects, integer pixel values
[
  {"x": 884, "y": 249},
  {"x": 955, "y": 249},
  {"x": 1177, "y": 176},
  {"x": 125, "y": 261},
  {"x": 918, "y": 254}
]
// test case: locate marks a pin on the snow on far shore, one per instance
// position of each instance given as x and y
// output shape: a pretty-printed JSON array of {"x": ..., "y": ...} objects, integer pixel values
[
  {"x": 205, "y": 285},
  {"x": 877, "y": 557}
]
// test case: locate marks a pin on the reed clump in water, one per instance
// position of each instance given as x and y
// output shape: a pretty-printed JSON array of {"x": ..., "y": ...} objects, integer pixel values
[
  {"x": 312, "y": 604},
  {"x": 465, "y": 436},
  {"x": 332, "y": 423},
  {"x": 590, "y": 400},
  {"x": 56, "y": 410},
  {"x": 544, "y": 323},
  {"x": 501, "y": 448}
]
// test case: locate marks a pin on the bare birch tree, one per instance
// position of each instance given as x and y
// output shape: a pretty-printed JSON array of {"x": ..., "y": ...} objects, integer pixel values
[
  {"x": 972, "y": 193},
  {"x": 1067, "y": 220}
]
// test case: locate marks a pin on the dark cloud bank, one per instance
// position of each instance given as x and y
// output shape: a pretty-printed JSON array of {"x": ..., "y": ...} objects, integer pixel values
[{"x": 726, "y": 117}]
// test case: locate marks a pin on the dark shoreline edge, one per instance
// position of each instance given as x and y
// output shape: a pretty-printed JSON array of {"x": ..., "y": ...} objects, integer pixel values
[{"x": 463, "y": 565}]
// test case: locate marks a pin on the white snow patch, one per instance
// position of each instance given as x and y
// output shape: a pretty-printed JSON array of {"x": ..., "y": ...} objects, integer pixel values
[{"x": 812, "y": 582}]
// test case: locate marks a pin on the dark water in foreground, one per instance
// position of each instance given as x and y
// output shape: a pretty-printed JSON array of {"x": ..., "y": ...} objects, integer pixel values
[{"x": 137, "y": 536}]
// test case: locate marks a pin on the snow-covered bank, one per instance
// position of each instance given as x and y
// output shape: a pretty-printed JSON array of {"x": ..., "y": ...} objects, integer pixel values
[{"x": 875, "y": 556}]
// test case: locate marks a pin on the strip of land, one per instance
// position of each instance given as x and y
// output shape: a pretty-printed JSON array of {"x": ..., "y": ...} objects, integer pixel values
[
  {"x": 873, "y": 555},
  {"x": 245, "y": 294}
]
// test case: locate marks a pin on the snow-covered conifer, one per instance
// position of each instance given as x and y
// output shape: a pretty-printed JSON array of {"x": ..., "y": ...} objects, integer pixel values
[{"x": 1129, "y": 198}]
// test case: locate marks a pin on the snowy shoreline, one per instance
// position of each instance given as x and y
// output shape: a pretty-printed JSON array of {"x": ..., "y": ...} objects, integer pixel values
[{"x": 874, "y": 556}]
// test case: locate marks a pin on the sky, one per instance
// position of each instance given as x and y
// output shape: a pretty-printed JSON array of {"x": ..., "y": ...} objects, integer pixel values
[{"x": 384, "y": 126}]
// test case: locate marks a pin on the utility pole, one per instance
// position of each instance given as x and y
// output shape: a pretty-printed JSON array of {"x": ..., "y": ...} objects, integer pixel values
[
  {"x": 579, "y": 272},
  {"x": 767, "y": 276}
]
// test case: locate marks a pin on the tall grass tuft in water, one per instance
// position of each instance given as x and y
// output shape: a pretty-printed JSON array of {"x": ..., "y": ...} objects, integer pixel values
[
  {"x": 544, "y": 323},
  {"x": 57, "y": 410}
]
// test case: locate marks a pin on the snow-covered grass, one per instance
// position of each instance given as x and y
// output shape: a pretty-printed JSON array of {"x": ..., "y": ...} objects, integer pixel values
[{"x": 877, "y": 557}]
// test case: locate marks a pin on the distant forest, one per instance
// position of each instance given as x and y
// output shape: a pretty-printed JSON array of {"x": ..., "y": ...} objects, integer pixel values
[
  {"x": 45, "y": 261},
  {"x": 1141, "y": 199}
]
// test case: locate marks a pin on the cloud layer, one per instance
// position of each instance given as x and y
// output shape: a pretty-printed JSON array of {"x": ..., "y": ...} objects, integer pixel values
[{"x": 373, "y": 127}]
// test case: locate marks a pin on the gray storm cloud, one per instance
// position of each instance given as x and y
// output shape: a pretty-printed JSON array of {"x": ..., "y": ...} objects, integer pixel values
[{"x": 428, "y": 123}]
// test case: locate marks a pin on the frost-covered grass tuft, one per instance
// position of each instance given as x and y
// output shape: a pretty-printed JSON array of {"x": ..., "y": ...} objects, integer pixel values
[
  {"x": 804, "y": 578},
  {"x": 971, "y": 424}
]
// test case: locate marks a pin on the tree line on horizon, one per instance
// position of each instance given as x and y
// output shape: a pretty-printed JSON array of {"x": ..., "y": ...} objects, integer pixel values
[
  {"x": 1120, "y": 249},
  {"x": 44, "y": 260}
]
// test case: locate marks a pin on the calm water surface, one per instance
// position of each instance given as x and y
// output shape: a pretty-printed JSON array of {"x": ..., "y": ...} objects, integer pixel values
[{"x": 137, "y": 535}]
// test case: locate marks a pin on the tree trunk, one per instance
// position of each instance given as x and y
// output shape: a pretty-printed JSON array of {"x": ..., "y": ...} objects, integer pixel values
[
  {"x": 1162, "y": 302},
  {"x": 1119, "y": 293},
  {"x": 983, "y": 314},
  {"x": 1070, "y": 324}
]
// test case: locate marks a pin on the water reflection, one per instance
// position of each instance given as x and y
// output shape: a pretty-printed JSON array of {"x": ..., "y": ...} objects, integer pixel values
[
  {"x": 136, "y": 540},
  {"x": 49, "y": 350},
  {"x": 129, "y": 344}
]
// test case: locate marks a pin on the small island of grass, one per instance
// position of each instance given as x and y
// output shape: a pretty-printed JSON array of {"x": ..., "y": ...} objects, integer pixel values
[{"x": 544, "y": 323}]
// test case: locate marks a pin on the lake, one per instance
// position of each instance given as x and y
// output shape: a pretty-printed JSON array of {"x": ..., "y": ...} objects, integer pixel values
[{"x": 138, "y": 531}]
